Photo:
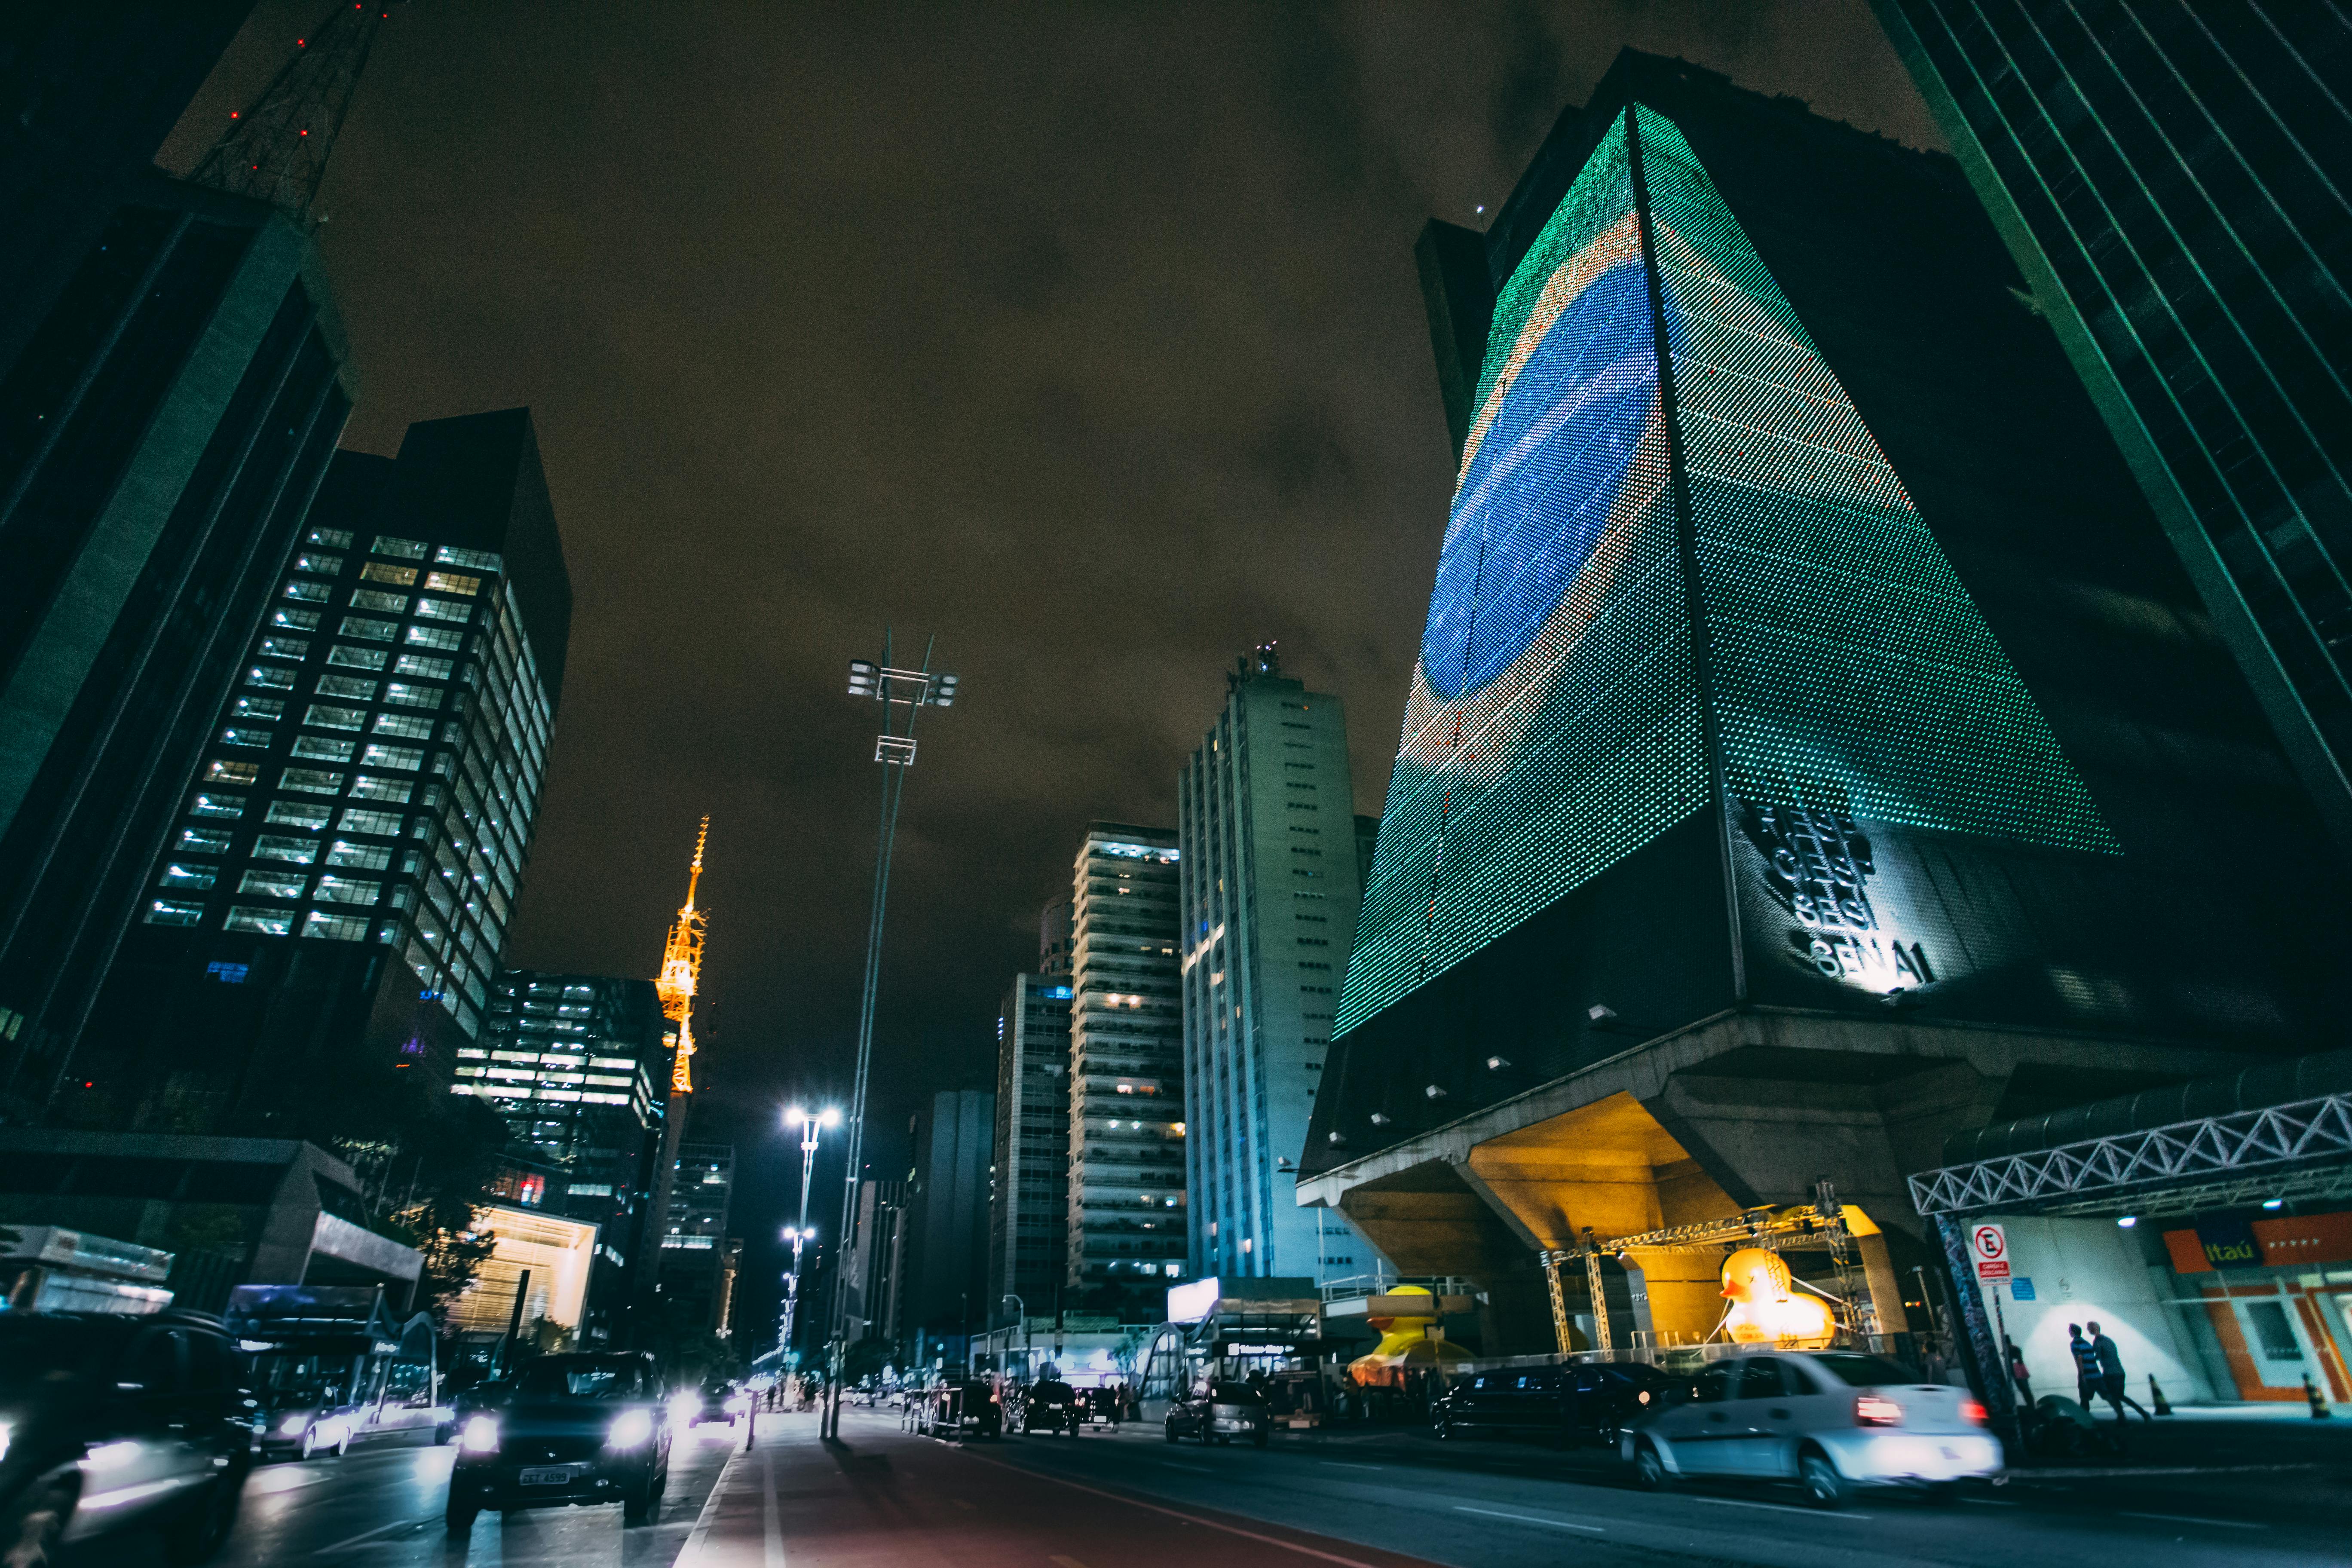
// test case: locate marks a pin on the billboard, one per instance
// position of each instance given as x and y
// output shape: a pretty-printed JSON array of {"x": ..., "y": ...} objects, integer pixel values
[{"x": 1664, "y": 490}]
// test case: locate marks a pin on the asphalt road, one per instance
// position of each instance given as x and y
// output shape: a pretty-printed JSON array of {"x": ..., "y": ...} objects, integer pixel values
[
  {"x": 1388, "y": 1499},
  {"x": 380, "y": 1507}
]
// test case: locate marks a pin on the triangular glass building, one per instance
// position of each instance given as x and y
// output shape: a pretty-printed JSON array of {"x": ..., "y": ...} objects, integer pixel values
[{"x": 1658, "y": 447}]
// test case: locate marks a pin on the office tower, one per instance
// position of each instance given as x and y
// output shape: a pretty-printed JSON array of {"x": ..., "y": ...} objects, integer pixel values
[
  {"x": 1807, "y": 725},
  {"x": 1029, "y": 1176},
  {"x": 2172, "y": 182},
  {"x": 692, "y": 1271},
  {"x": 948, "y": 1201},
  {"x": 88, "y": 92},
  {"x": 579, "y": 1066},
  {"x": 876, "y": 1302},
  {"x": 338, "y": 883},
  {"x": 1270, "y": 883},
  {"x": 1127, "y": 1062},
  {"x": 162, "y": 434}
]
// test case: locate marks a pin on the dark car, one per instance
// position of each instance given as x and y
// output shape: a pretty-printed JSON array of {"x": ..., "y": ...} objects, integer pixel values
[
  {"x": 1219, "y": 1413},
  {"x": 957, "y": 1405},
  {"x": 573, "y": 1429},
  {"x": 1051, "y": 1406},
  {"x": 117, "y": 1424},
  {"x": 1570, "y": 1406}
]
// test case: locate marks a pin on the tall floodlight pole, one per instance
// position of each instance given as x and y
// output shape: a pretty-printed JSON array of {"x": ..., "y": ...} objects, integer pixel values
[
  {"x": 912, "y": 691},
  {"x": 800, "y": 1235}
]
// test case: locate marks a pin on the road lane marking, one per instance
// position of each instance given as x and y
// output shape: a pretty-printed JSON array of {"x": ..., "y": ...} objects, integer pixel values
[
  {"x": 1775, "y": 1507},
  {"x": 693, "y": 1551},
  {"x": 1196, "y": 1469},
  {"x": 1530, "y": 1519},
  {"x": 369, "y": 1535},
  {"x": 283, "y": 1479},
  {"x": 2190, "y": 1519},
  {"x": 1174, "y": 1513},
  {"x": 1351, "y": 1465},
  {"x": 1988, "y": 1502}
]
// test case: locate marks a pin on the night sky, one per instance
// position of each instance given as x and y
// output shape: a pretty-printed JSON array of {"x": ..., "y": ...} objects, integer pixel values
[{"x": 1087, "y": 338}]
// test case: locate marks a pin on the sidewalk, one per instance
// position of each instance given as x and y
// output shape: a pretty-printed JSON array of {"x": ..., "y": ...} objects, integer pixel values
[{"x": 883, "y": 1499}]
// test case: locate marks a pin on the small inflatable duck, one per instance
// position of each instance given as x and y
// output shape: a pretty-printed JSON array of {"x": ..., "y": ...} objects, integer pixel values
[{"x": 1766, "y": 1306}]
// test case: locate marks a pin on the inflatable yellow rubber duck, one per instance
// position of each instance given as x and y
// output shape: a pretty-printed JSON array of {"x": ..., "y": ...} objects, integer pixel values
[
  {"x": 1766, "y": 1306},
  {"x": 1404, "y": 1343}
]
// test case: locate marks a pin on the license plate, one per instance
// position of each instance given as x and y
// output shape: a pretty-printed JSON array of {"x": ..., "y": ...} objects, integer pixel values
[{"x": 546, "y": 1475}]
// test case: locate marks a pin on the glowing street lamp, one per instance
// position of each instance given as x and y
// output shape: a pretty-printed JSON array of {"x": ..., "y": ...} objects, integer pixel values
[{"x": 811, "y": 1122}]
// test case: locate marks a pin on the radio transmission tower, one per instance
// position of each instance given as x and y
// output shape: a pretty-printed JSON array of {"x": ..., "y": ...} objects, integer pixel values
[{"x": 276, "y": 148}]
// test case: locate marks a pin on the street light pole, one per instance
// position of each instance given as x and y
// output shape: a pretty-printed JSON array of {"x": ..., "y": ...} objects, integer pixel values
[
  {"x": 800, "y": 1234},
  {"x": 893, "y": 749}
]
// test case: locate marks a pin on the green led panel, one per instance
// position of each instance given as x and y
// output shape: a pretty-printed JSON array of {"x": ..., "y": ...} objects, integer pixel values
[
  {"x": 1553, "y": 725},
  {"x": 1851, "y": 672}
]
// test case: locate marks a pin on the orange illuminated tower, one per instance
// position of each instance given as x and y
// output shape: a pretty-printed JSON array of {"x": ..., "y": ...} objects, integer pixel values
[{"x": 682, "y": 967}]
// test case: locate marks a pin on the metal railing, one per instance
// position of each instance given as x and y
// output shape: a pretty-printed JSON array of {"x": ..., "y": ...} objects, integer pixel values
[{"x": 2213, "y": 1151}]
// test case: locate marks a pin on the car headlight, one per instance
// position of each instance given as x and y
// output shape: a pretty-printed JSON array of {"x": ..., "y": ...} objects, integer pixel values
[
  {"x": 632, "y": 1427},
  {"x": 292, "y": 1425},
  {"x": 481, "y": 1434},
  {"x": 7, "y": 1431}
]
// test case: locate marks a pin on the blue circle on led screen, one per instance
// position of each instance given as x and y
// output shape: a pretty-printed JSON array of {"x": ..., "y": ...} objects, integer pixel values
[{"x": 1540, "y": 490}]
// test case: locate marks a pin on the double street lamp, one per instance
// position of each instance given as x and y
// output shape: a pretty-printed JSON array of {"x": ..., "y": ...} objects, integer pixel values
[{"x": 811, "y": 1123}]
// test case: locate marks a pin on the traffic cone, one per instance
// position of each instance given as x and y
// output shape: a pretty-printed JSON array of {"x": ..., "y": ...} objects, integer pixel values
[
  {"x": 2319, "y": 1411},
  {"x": 2155, "y": 1397}
]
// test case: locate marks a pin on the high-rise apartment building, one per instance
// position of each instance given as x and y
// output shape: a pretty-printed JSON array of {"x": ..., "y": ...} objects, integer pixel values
[
  {"x": 1127, "y": 1061},
  {"x": 163, "y": 425},
  {"x": 1029, "y": 1172},
  {"x": 2173, "y": 180},
  {"x": 1270, "y": 880},
  {"x": 579, "y": 1066},
  {"x": 341, "y": 877},
  {"x": 695, "y": 1267}
]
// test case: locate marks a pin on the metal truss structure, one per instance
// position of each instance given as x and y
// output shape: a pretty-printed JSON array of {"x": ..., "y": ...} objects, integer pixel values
[{"x": 2215, "y": 1161}]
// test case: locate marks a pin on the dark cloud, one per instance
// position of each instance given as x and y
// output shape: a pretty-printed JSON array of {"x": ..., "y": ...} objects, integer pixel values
[{"x": 1086, "y": 337}]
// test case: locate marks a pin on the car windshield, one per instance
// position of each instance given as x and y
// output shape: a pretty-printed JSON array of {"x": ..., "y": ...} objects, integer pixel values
[
  {"x": 1234, "y": 1394},
  {"x": 1861, "y": 1371},
  {"x": 558, "y": 1378}
]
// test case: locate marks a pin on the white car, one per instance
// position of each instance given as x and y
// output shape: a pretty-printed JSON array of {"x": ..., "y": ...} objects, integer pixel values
[{"x": 1830, "y": 1420}]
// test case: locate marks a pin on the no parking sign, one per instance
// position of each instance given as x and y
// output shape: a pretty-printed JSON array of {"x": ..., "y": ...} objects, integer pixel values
[{"x": 1989, "y": 1245}]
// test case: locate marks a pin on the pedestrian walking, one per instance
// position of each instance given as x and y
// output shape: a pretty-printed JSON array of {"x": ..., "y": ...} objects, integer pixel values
[
  {"x": 2086, "y": 1366},
  {"x": 2112, "y": 1385},
  {"x": 2018, "y": 1374}
]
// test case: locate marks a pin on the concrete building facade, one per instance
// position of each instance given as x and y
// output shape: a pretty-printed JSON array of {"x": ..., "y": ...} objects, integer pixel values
[{"x": 1270, "y": 881}]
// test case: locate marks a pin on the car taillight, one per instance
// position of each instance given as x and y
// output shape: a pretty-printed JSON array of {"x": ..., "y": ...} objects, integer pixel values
[
  {"x": 1871, "y": 1410},
  {"x": 1972, "y": 1411}
]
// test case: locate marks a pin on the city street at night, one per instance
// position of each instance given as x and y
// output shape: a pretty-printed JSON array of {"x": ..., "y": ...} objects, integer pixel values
[
  {"x": 1382, "y": 1499},
  {"x": 1382, "y": 784}
]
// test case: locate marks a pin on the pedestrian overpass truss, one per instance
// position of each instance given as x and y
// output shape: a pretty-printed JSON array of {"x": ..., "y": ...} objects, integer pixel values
[{"x": 2301, "y": 1150}]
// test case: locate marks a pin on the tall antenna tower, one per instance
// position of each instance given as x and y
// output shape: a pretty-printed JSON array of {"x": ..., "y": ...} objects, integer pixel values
[
  {"x": 682, "y": 969},
  {"x": 276, "y": 148}
]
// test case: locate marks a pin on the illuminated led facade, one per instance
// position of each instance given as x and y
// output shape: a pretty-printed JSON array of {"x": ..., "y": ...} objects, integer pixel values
[
  {"x": 1269, "y": 875},
  {"x": 1126, "y": 1220},
  {"x": 342, "y": 871},
  {"x": 1799, "y": 649},
  {"x": 2170, "y": 178}
]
